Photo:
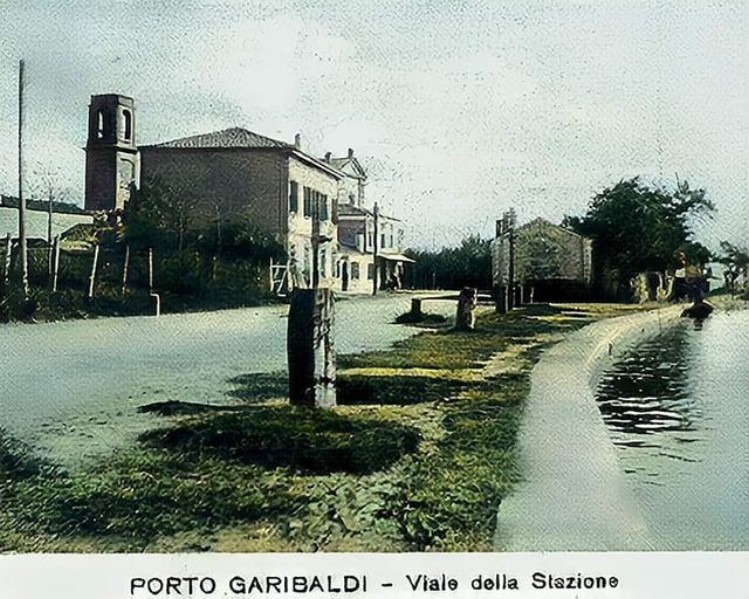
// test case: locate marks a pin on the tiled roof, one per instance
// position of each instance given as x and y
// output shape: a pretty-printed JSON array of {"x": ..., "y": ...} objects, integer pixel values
[{"x": 236, "y": 137}]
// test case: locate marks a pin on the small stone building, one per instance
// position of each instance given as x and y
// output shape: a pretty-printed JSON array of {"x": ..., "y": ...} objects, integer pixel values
[{"x": 553, "y": 261}]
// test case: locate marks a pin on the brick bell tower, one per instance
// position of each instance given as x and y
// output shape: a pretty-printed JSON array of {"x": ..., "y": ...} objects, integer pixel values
[{"x": 112, "y": 160}]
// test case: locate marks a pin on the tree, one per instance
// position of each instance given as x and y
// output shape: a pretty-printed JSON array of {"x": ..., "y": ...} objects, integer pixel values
[
  {"x": 468, "y": 265},
  {"x": 638, "y": 228},
  {"x": 736, "y": 260},
  {"x": 157, "y": 216}
]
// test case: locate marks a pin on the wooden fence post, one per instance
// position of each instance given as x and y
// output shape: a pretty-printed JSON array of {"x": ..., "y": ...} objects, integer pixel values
[
  {"x": 125, "y": 267},
  {"x": 7, "y": 265},
  {"x": 55, "y": 263},
  {"x": 92, "y": 277},
  {"x": 155, "y": 296}
]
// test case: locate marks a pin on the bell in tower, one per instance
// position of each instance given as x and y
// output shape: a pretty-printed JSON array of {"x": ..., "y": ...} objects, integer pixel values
[{"x": 112, "y": 161}]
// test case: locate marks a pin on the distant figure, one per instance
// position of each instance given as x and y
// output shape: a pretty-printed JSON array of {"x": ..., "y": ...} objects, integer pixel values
[{"x": 465, "y": 319}]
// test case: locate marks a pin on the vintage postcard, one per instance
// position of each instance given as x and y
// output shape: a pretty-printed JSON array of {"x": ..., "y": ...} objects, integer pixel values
[{"x": 373, "y": 299}]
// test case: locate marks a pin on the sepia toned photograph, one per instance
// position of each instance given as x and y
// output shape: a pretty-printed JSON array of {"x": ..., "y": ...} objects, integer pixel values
[{"x": 294, "y": 276}]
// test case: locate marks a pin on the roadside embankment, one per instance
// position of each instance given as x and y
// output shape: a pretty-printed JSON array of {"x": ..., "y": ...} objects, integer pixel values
[{"x": 574, "y": 496}]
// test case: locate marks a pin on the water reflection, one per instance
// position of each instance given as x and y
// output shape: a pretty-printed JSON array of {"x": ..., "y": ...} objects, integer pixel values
[
  {"x": 675, "y": 406},
  {"x": 648, "y": 390}
]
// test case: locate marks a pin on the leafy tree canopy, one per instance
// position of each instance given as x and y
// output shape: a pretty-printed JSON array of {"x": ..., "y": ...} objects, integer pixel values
[
  {"x": 637, "y": 228},
  {"x": 160, "y": 217},
  {"x": 468, "y": 265}
]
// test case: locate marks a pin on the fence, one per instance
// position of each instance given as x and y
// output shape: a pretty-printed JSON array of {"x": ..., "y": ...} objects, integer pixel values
[{"x": 184, "y": 279}]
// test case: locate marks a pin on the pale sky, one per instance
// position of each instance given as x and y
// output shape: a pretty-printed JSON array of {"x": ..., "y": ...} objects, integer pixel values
[{"x": 458, "y": 109}]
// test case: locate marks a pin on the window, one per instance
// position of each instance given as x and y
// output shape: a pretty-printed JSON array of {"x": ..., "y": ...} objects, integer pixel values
[
  {"x": 323, "y": 204},
  {"x": 102, "y": 124},
  {"x": 391, "y": 240},
  {"x": 293, "y": 196},
  {"x": 370, "y": 271},
  {"x": 334, "y": 211},
  {"x": 127, "y": 125},
  {"x": 307, "y": 201},
  {"x": 382, "y": 240},
  {"x": 354, "y": 270},
  {"x": 370, "y": 240},
  {"x": 323, "y": 263}
]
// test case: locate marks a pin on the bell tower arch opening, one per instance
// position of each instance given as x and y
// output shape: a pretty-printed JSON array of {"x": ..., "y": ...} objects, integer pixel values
[{"x": 112, "y": 160}]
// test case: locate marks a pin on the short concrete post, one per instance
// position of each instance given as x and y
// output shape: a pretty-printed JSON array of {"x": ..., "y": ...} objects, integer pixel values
[
  {"x": 310, "y": 348},
  {"x": 416, "y": 308},
  {"x": 465, "y": 319}
]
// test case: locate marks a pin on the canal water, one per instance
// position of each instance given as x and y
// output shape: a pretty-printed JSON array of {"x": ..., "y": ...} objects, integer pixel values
[{"x": 677, "y": 408}]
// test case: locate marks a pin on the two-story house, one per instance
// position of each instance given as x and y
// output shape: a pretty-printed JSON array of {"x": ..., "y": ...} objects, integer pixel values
[{"x": 369, "y": 242}]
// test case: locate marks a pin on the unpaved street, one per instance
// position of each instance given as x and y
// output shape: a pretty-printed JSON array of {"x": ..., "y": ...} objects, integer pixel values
[{"x": 73, "y": 388}]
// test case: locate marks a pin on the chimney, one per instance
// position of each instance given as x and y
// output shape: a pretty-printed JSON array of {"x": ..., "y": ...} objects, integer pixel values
[
  {"x": 298, "y": 141},
  {"x": 327, "y": 157},
  {"x": 350, "y": 152}
]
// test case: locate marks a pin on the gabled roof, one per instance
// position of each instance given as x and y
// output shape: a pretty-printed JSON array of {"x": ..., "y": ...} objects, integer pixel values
[
  {"x": 540, "y": 221},
  {"x": 355, "y": 169},
  {"x": 351, "y": 210},
  {"x": 235, "y": 137}
]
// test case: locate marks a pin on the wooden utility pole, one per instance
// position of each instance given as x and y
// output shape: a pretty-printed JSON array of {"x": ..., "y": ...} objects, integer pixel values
[
  {"x": 375, "y": 268},
  {"x": 511, "y": 265},
  {"x": 315, "y": 242},
  {"x": 21, "y": 199},
  {"x": 56, "y": 263},
  {"x": 49, "y": 229}
]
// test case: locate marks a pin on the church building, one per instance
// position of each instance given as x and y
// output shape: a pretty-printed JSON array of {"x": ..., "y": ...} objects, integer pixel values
[{"x": 222, "y": 176}]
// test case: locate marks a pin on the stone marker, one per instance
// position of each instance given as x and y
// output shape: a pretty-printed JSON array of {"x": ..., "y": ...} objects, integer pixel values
[{"x": 465, "y": 319}]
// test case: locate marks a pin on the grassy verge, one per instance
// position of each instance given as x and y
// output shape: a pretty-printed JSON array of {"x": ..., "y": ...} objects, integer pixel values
[{"x": 416, "y": 457}]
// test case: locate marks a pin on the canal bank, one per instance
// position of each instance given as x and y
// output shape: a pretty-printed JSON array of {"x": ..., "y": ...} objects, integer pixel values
[{"x": 574, "y": 495}]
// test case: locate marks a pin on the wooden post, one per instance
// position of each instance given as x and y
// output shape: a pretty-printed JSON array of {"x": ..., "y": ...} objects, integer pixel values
[
  {"x": 150, "y": 270},
  {"x": 315, "y": 241},
  {"x": 310, "y": 349},
  {"x": 155, "y": 296},
  {"x": 125, "y": 267},
  {"x": 416, "y": 307},
  {"x": 500, "y": 300},
  {"x": 21, "y": 198},
  {"x": 55, "y": 262},
  {"x": 7, "y": 264},
  {"x": 50, "y": 249},
  {"x": 375, "y": 266},
  {"x": 92, "y": 277},
  {"x": 511, "y": 270},
  {"x": 270, "y": 266}
]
